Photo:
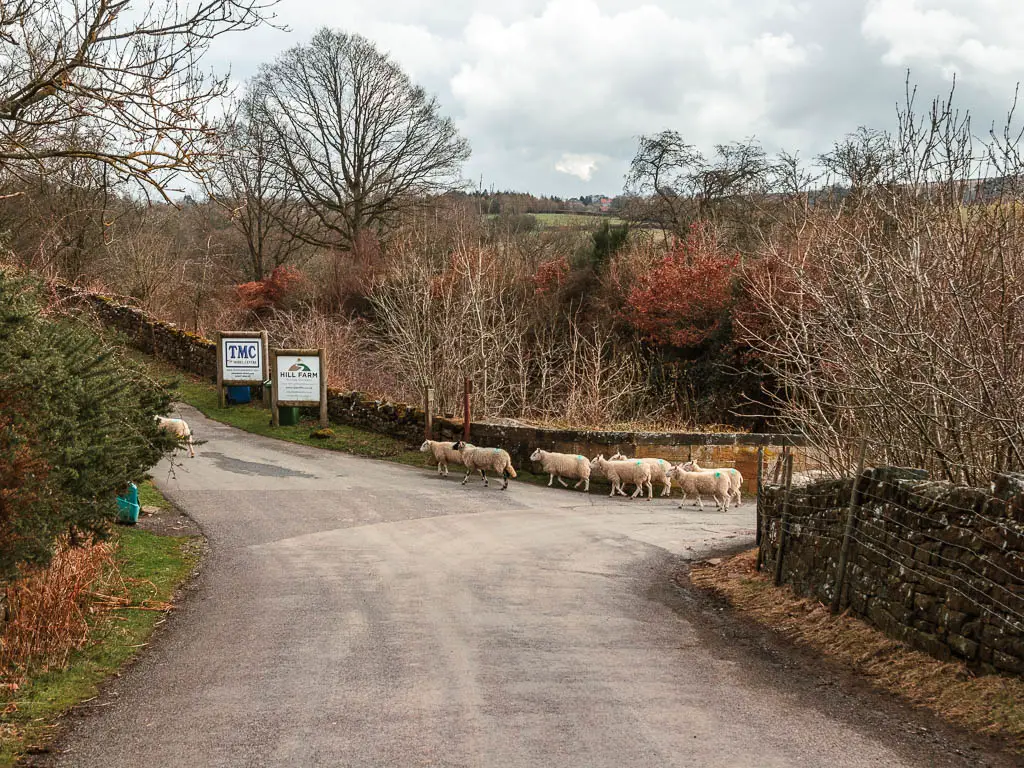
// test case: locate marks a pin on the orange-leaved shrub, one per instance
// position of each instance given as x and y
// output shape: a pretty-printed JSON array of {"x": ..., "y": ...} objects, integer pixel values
[{"x": 684, "y": 298}]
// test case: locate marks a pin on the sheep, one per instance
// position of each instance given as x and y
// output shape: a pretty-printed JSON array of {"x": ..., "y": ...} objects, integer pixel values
[
  {"x": 659, "y": 471},
  {"x": 561, "y": 465},
  {"x": 179, "y": 429},
  {"x": 634, "y": 472},
  {"x": 482, "y": 459},
  {"x": 712, "y": 482},
  {"x": 735, "y": 478},
  {"x": 443, "y": 454}
]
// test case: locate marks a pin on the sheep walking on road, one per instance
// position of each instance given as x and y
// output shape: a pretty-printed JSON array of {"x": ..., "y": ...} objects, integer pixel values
[
  {"x": 560, "y": 465},
  {"x": 660, "y": 471},
  {"x": 482, "y": 459},
  {"x": 443, "y": 453},
  {"x": 735, "y": 478},
  {"x": 179, "y": 429},
  {"x": 634, "y": 472},
  {"x": 712, "y": 482}
]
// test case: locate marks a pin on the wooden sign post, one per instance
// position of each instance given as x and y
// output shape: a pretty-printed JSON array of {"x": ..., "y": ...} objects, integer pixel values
[
  {"x": 299, "y": 378},
  {"x": 241, "y": 361}
]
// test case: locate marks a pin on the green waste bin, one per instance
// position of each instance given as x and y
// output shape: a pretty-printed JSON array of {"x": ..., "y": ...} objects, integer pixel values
[
  {"x": 287, "y": 415},
  {"x": 128, "y": 506}
]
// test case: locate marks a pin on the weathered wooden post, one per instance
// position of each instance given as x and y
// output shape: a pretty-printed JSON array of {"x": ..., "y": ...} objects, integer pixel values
[
  {"x": 784, "y": 519},
  {"x": 428, "y": 409},
  {"x": 760, "y": 472},
  {"x": 468, "y": 385},
  {"x": 851, "y": 521}
]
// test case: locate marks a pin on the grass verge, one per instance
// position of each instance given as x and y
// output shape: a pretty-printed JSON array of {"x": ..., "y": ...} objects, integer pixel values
[
  {"x": 152, "y": 567},
  {"x": 991, "y": 705}
]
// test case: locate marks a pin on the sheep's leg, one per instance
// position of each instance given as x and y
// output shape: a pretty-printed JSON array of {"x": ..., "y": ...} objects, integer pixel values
[
  {"x": 650, "y": 491},
  {"x": 564, "y": 484},
  {"x": 698, "y": 502},
  {"x": 621, "y": 488},
  {"x": 737, "y": 497},
  {"x": 722, "y": 502},
  {"x": 439, "y": 465},
  {"x": 505, "y": 475},
  {"x": 484, "y": 476},
  {"x": 469, "y": 471},
  {"x": 586, "y": 485},
  {"x": 667, "y": 490},
  {"x": 615, "y": 486},
  {"x": 551, "y": 479},
  {"x": 191, "y": 449}
]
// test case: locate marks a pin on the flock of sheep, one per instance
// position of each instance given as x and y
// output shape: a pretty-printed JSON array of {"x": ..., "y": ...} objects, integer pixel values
[{"x": 722, "y": 485}]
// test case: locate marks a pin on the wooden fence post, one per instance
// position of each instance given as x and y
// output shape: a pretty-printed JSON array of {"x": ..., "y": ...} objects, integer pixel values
[
  {"x": 851, "y": 520},
  {"x": 221, "y": 394},
  {"x": 468, "y": 384},
  {"x": 760, "y": 472},
  {"x": 428, "y": 421},
  {"x": 783, "y": 519}
]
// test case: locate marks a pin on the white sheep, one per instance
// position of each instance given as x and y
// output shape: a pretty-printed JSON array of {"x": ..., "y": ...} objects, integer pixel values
[
  {"x": 560, "y": 465},
  {"x": 443, "y": 452},
  {"x": 712, "y": 482},
  {"x": 634, "y": 472},
  {"x": 735, "y": 478},
  {"x": 660, "y": 470},
  {"x": 482, "y": 459},
  {"x": 179, "y": 429}
]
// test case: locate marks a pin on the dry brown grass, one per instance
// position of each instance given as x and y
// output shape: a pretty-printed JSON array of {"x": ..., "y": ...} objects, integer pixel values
[
  {"x": 990, "y": 704},
  {"x": 49, "y": 608}
]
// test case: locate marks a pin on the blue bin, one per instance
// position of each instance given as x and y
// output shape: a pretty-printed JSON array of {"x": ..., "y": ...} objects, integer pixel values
[
  {"x": 128, "y": 506},
  {"x": 239, "y": 395}
]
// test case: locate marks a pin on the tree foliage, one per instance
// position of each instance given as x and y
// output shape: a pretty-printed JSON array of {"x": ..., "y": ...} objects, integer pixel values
[{"x": 76, "y": 425}]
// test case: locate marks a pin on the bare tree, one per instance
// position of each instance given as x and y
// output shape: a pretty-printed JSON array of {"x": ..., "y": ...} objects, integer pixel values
[
  {"x": 898, "y": 319},
  {"x": 114, "y": 81},
  {"x": 248, "y": 184},
  {"x": 355, "y": 140},
  {"x": 665, "y": 167}
]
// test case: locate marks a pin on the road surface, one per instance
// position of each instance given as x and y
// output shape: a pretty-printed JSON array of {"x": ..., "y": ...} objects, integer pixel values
[{"x": 360, "y": 613}]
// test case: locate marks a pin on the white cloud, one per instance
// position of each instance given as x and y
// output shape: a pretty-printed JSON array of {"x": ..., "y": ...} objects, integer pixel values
[
  {"x": 552, "y": 94},
  {"x": 580, "y": 166},
  {"x": 981, "y": 37}
]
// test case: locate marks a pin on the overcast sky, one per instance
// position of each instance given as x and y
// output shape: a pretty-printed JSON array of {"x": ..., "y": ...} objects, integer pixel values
[{"x": 552, "y": 94}]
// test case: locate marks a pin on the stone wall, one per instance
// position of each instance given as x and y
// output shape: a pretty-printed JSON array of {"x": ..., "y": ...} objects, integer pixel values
[
  {"x": 165, "y": 341},
  {"x": 195, "y": 354},
  {"x": 938, "y": 566}
]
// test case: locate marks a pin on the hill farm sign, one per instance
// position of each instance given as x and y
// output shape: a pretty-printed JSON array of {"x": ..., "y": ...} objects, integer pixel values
[{"x": 299, "y": 378}]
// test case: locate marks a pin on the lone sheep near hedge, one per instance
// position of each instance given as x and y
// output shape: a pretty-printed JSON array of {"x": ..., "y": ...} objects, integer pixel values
[{"x": 179, "y": 429}]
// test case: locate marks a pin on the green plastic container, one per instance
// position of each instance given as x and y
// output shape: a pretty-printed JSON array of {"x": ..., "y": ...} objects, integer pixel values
[
  {"x": 288, "y": 415},
  {"x": 128, "y": 506}
]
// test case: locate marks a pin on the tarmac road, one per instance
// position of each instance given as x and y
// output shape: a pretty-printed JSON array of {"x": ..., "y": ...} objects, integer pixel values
[{"x": 359, "y": 613}]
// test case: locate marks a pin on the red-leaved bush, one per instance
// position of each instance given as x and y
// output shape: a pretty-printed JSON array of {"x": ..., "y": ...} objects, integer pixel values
[
  {"x": 683, "y": 299},
  {"x": 271, "y": 291},
  {"x": 550, "y": 276}
]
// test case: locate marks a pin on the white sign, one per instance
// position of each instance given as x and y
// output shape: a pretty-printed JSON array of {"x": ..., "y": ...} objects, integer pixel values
[
  {"x": 298, "y": 378},
  {"x": 242, "y": 359}
]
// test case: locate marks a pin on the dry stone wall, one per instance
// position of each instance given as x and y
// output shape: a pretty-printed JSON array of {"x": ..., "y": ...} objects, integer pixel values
[{"x": 938, "y": 566}]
